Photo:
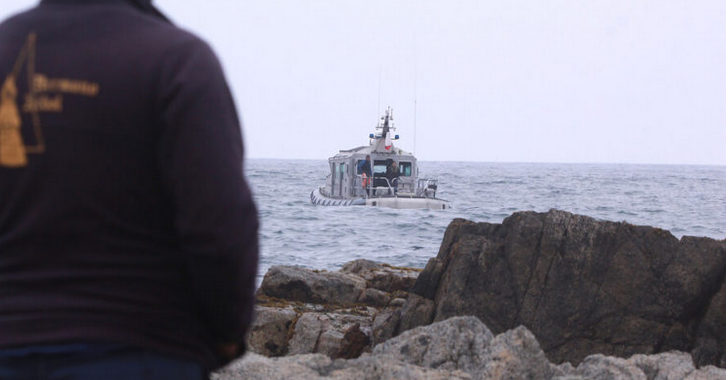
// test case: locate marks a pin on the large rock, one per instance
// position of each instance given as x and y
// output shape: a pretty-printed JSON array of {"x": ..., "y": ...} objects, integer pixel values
[
  {"x": 456, "y": 344},
  {"x": 270, "y": 330},
  {"x": 326, "y": 333},
  {"x": 300, "y": 284},
  {"x": 665, "y": 366},
  {"x": 582, "y": 286},
  {"x": 466, "y": 344}
]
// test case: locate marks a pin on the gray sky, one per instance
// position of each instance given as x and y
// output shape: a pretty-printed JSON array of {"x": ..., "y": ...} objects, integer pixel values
[{"x": 619, "y": 81}]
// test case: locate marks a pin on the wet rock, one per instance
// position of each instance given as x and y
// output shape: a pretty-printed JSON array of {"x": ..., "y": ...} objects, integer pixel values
[{"x": 581, "y": 286}]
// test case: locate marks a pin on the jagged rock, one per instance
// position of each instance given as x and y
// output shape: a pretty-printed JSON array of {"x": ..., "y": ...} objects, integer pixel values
[
  {"x": 672, "y": 365},
  {"x": 319, "y": 367},
  {"x": 270, "y": 330},
  {"x": 325, "y": 332},
  {"x": 456, "y": 344},
  {"x": 516, "y": 354},
  {"x": 460, "y": 348},
  {"x": 581, "y": 286},
  {"x": 665, "y": 366},
  {"x": 383, "y": 368},
  {"x": 381, "y": 276},
  {"x": 257, "y": 367},
  {"x": 707, "y": 373},
  {"x": 300, "y": 284},
  {"x": 306, "y": 334},
  {"x": 600, "y": 367}
]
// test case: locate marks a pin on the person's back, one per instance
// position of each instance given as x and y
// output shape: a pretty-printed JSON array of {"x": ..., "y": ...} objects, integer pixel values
[{"x": 125, "y": 217}]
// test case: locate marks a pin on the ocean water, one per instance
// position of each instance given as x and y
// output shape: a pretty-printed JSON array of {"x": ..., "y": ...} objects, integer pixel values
[{"x": 686, "y": 200}]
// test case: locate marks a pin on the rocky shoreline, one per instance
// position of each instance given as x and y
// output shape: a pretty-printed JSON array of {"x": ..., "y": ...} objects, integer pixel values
[{"x": 541, "y": 296}]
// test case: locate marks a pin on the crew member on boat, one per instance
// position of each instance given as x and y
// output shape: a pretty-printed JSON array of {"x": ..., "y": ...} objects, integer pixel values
[
  {"x": 365, "y": 168},
  {"x": 392, "y": 173}
]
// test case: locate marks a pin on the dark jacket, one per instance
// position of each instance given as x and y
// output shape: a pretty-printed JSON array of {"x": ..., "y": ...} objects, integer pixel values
[
  {"x": 365, "y": 167},
  {"x": 392, "y": 172},
  {"x": 124, "y": 214}
]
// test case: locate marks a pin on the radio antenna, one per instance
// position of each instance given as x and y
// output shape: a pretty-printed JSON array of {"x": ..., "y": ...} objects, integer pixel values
[
  {"x": 379, "y": 92},
  {"x": 414, "y": 149}
]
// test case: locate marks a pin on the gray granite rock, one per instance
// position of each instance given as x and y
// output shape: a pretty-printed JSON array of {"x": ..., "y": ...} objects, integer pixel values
[
  {"x": 320, "y": 367},
  {"x": 270, "y": 330},
  {"x": 707, "y": 373},
  {"x": 456, "y": 344},
  {"x": 515, "y": 354},
  {"x": 672, "y": 365},
  {"x": 600, "y": 367}
]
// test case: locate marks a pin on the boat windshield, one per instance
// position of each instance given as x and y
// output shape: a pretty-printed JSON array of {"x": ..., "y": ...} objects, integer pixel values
[{"x": 380, "y": 167}]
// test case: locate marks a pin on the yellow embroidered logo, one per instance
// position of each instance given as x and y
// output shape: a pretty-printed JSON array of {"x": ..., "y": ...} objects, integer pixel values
[{"x": 44, "y": 95}]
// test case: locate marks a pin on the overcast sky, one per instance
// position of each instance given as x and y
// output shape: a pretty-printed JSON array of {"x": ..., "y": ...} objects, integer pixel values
[{"x": 617, "y": 81}]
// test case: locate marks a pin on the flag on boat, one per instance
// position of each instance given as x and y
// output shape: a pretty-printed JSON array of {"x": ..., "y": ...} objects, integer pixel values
[{"x": 387, "y": 142}]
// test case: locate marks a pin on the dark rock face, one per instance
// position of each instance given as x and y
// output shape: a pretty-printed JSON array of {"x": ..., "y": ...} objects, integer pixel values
[{"x": 581, "y": 286}]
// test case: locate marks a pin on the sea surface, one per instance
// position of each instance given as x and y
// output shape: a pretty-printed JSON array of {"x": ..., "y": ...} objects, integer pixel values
[{"x": 684, "y": 199}]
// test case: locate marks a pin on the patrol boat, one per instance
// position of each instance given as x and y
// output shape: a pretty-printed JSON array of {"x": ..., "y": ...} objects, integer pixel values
[{"x": 348, "y": 184}]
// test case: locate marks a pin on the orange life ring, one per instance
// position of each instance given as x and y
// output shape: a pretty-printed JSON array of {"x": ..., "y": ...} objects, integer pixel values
[{"x": 365, "y": 180}]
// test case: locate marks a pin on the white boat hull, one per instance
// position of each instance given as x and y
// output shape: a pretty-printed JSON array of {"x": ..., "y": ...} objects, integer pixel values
[{"x": 390, "y": 201}]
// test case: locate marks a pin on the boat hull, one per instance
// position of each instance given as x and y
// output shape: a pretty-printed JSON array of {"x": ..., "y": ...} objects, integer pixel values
[{"x": 390, "y": 201}]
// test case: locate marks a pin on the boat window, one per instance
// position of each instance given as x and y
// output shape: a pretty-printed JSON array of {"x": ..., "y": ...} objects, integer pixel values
[
  {"x": 405, "y": 169},
  {"x": 380, "y": 167}
]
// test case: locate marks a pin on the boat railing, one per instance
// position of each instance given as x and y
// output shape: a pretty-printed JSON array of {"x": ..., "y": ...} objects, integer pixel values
[
  {"x": 426, "y": 188},
  {"x": 359, "y": 186}
]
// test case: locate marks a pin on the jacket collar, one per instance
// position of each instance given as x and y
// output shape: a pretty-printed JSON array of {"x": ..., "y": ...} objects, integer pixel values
[{"x": 143, "y": 5}]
